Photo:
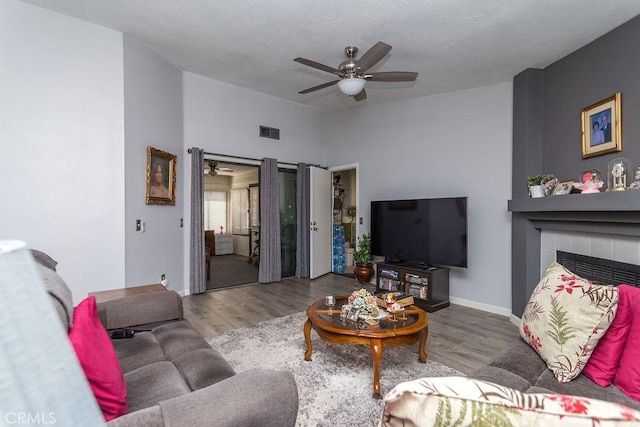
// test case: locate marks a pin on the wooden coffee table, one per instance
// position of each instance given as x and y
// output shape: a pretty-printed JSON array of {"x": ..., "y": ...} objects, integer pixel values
[{"x": 330, "y": 328}]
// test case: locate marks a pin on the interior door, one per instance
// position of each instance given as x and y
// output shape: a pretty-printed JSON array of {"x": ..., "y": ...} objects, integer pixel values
[{"x": 320, "y": 222}]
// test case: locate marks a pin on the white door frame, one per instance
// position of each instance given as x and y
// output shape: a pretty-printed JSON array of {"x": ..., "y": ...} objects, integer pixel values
[{"x": 352, "y": 166}]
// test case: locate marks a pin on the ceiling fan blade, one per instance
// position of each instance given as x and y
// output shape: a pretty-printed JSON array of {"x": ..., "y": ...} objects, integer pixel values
[
  {"x": 322, "y": 86},
  {"x": 392, "y": 76},
  {"x": 360, "y": 96},
  {"x": 373, "y": 55},
  {"x": 316, "y": 65}
]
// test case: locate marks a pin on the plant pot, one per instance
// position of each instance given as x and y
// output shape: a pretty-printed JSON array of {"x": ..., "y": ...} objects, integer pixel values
[
  {"x": 536, "y": 191},
  {"x": 363, "y": 273}
]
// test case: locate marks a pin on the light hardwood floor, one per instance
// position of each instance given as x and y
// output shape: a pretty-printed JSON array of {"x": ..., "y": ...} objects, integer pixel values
[{"x": 460, "y": 337}]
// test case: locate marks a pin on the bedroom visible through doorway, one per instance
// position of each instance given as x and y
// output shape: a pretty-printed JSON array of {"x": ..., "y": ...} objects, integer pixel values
[
  {"x": 228, "y": 235},
  {"x": 232, "y": 222}
]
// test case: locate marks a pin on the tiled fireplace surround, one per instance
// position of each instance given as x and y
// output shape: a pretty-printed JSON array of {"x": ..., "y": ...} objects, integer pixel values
[
  {"x": 604, "y": 225},
  {"x": 606, "y": 246}
]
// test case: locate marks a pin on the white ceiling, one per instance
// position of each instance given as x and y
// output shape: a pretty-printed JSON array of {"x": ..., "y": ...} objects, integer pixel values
[{"x": 452, "y": 44}]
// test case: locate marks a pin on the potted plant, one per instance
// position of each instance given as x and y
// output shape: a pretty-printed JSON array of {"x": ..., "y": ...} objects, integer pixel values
[
  {"x": 535, "y": 185},
  {"x": 362, "y": 259}
]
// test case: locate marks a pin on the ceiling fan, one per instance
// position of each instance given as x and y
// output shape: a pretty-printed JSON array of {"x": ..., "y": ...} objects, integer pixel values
[
  {"x": 352, "y": 72},
  {"x": 212, "y": 169}
]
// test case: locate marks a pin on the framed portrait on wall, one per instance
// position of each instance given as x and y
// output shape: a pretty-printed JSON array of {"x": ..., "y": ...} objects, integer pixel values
[
  {"x": 161, "y": 177},
  {"x": 602, "y": 127}
]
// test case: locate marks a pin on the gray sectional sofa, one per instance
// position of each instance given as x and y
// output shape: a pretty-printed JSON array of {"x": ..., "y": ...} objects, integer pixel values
[
  {"x": 521, "y": 368},
  {"x": 173, "y": 377}
]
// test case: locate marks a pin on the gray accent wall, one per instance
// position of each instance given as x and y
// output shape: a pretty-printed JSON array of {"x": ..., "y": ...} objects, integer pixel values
[{"x": 547, "y": 139}]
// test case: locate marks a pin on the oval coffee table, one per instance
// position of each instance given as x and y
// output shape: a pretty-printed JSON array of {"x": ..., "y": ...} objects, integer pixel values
[{"x": 326, "y": 321}]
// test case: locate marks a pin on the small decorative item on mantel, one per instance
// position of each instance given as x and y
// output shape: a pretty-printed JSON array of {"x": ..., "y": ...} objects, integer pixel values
[
  {"x": 535, "y": 186},
  {"x": 590, "y": 182},
  {"x": 549, "y": 183},
  {"x": 635, "y": 185},
  {"x": 618, "y": 171}
]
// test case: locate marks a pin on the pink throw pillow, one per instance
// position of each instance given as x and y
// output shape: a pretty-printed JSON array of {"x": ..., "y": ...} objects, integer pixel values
[
  {"x": 627, "y": 377},
  {"x": 98, "y": 359},
  {"x": 603, "y": 363}
]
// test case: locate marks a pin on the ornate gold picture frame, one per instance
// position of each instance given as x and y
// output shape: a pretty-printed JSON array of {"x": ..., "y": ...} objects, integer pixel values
[
  {"x": 161, "y": 177},
  {"x": 602, "y": 127}
]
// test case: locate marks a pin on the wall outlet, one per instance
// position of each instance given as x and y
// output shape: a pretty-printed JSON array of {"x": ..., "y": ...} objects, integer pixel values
[
  {"x": 163, "y": 280},
  {"x": 163, "y": 277},
  {"x": 138, "y": 225}
]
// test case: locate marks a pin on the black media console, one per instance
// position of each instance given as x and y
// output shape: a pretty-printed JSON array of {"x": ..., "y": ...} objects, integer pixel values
[{"x": 428, "y": 285}]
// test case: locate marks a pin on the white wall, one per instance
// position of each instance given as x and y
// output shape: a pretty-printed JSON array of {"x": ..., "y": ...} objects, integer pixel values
[
  {"x": 62, "y": 138},
  {"x": 446, "y": 145},
  {"x": 225, "y": 119},
  {"x": 153, "y": 116},
  {"x": 63, "y": 113}
]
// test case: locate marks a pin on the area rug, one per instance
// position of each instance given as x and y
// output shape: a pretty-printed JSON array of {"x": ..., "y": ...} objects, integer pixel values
[{"x": 336, "y": 386}]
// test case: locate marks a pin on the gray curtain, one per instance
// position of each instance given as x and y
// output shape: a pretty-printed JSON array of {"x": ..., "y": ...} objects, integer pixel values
[
  {"x": 197, "y": 283},
  {"x": 303, "y": 215},
  {"x": 270, "y": 269}
]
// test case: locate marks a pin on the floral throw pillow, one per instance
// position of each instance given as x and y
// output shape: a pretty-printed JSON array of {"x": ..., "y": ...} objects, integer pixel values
[
  {"x": 565, "y": 318},
  {"x": 459, "y": 401}
]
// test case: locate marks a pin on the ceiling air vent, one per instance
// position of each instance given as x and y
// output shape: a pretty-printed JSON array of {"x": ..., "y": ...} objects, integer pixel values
[{"x": 267, "y": 132}]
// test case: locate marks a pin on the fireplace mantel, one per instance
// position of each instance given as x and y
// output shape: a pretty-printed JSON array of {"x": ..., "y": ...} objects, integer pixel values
[{"x": 608, "y": 213}]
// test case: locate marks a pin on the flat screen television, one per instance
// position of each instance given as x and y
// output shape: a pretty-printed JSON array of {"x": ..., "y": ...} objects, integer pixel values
[{"x": 423, "y": 232}]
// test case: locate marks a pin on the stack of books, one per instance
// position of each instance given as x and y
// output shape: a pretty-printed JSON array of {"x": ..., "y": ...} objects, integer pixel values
[{"x": 401, "y": 298}]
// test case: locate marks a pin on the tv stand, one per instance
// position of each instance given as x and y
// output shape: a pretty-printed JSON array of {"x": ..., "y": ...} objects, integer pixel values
[{"x": 428, "y": 284}]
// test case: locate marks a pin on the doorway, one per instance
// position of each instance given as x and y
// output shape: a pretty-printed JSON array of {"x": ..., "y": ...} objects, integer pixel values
[
  {"x": 227, "y": 219},
  {"x": 232, "y": 222},
  {"x": 344, "y": 219}
]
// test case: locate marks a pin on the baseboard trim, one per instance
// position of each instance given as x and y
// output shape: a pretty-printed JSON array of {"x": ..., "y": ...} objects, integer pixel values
[
  {"x": 480, "y": 306},
  {"x": 515, "y": 320},
  {"x": 184, "y": 292}
]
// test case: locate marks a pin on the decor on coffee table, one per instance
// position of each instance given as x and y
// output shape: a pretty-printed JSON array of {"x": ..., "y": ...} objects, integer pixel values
[
  {"x": 363, "y": 259},
  {"x": 330, "y": 327},
  {"x": 364, "y": 303}
]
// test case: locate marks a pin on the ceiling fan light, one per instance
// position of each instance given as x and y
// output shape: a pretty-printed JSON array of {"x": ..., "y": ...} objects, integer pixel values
[{"x": 351, "y": 86}]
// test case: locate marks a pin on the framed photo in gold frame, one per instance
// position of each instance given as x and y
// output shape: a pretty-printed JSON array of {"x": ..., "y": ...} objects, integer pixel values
[
  {"x": 602, "y": 127},
  {"x": 161, "y": 177}
]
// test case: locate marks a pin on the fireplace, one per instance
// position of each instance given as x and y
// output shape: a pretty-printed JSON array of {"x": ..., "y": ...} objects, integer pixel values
[
  {"x": 600, "y": 270},
  {"x": 604, "y": 225}
]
